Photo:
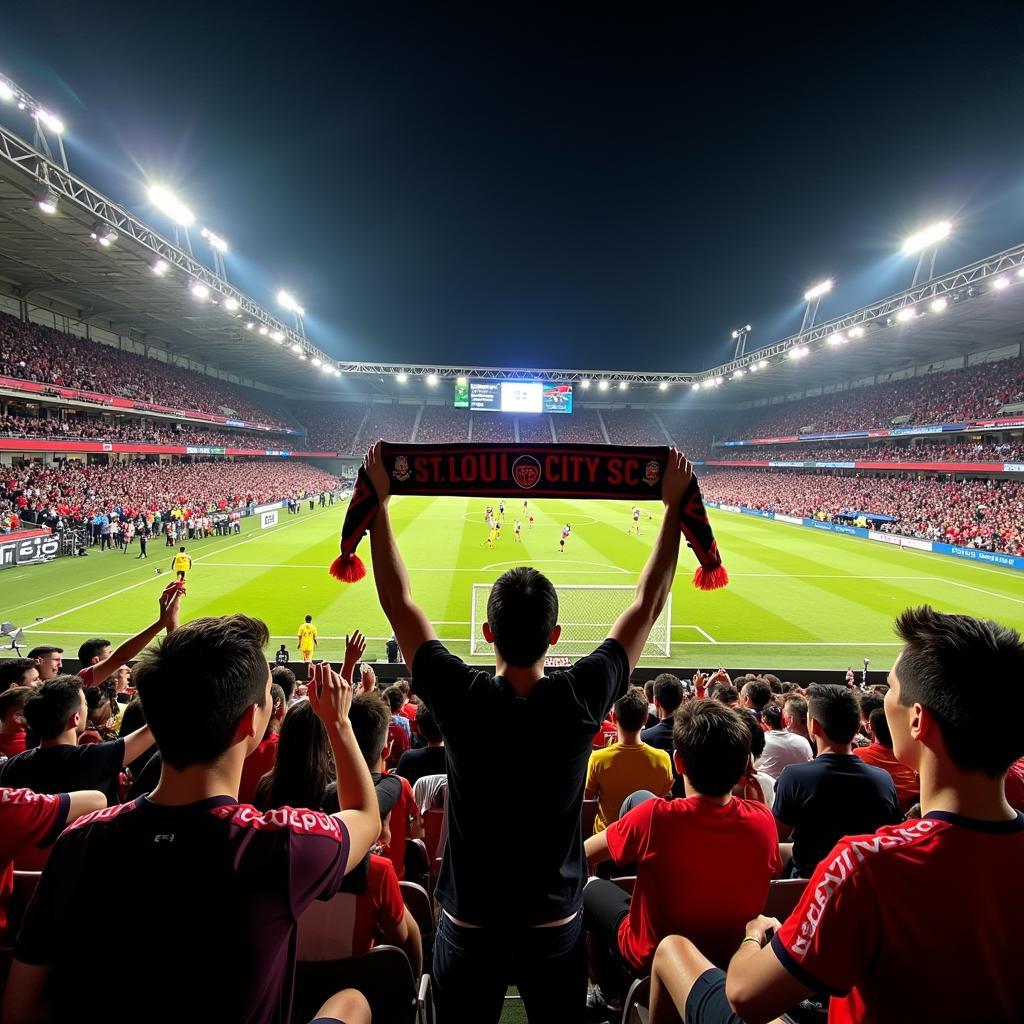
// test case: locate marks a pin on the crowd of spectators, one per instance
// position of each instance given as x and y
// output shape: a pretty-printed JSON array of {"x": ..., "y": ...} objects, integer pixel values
[
  {"x": 47, "y": 356},
  {"x": 72, "y": 492},
  {"x": 331, "y": 426},
  {"x": 493, "y": 427},
  {"x": 632, "y": 426},
  {"x": 536, "y": 427},
  {"x": 947, "y": 396},
  {"x": 386, "y": 423},
  {"x": 925, "y": 451},
  {"x": 440, "y": 424},
  {"x": 581, "y": 426},
  {"x": 986, "y": 514}
]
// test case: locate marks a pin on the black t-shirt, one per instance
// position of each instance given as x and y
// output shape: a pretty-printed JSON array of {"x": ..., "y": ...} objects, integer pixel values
[
  {"x": 660, "y": 736},
  {"x": 516, "y": 773},
  {"x": 416, "y": 764},
  {"x": 833, "y": 796},
  {"x": 217, "y": 890},
  {"x": 67, "y": 769},
  {"x": 387, "y": 787}
]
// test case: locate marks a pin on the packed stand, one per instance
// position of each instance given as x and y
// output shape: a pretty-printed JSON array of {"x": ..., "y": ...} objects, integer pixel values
[
  {"x": 331, "y": 427},
  {"x": 581, "y": 426},
  {"x": 46, "y": 356},
  {"x": 948, "y": 396},
  {"x": 441, "y": 424},
  {"x": 922, "y": 452},
  {"x": 689, "y": 431},
  {"x": 389, "y": 422},
  {"x": 632, "y": 426},
  {"x": 535, "y": 428},
  {"x": 986, "y": 514},
  {"x": 493, "y": 427}
]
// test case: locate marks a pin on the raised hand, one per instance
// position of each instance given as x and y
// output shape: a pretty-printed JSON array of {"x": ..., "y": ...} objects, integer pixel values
[
  {"x": 354, "y": 647},
  {"x": 330, "y": 696},
  {"x": 170, "y": 598},
  {"x": 367, "y": 678},
  {"x": 374, "y": 466},
  {"x": 678, "y": 473}
]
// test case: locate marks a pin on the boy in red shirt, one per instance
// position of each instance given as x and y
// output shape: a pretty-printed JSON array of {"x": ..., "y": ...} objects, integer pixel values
[
  {"x": 703, "y": 864},
  {"x": 921, "y": 920}
]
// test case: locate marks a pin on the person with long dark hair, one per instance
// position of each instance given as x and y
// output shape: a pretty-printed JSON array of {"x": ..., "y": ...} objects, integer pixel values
[{"x": 304, "y": 767}]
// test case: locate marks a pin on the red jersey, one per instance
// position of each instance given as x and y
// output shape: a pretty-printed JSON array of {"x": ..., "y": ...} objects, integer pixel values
[
  {"x": 255, "y": 766},
  {"x": 404, "y": 809},
  {"x": 1015, "y": 785},
  {"x": 601, "y": 736},
  {"x": 920, "y": 921},
  {"x": 702, "y": 871},
  {"x": 12, "y": 744},
  {"x": 409, "y": 711},
  {"x": 908, "y": 786},
  {"x": 26, "y": 819}
]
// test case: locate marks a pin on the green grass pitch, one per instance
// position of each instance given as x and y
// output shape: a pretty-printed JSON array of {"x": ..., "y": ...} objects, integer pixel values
[{"x": 797, "y": 598}]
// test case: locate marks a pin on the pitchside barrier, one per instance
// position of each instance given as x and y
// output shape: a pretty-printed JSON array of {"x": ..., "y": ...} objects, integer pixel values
[
  {"x": 916, "y": 543},
  {"x": 586, "y": 613}
]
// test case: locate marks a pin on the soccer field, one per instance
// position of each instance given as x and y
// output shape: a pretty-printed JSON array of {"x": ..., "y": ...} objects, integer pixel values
[{"x": 797, "y": 598}]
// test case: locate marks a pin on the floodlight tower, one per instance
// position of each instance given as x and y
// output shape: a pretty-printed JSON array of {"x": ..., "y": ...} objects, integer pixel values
[
  {"x": 166, "y": 202},
  {"x": 925, "y": 242},
  {"x": 740, "y": 337},
  {"x": 46, "y": 122},
  {"x": 813, "y": 299},
  {"x": 287, "y": 300},
  {"x": 218, "y": 247}
]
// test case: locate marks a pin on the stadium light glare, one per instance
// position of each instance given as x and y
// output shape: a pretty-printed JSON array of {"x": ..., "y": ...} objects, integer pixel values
[
  {"x": 753, "y": 368},
  {"x": 264, "y": 330},
  {"x": 906, "y": 313},
  {"x": 763, "y": 365},
  {"x": 1020, "y": 272},
  {"x": 585, "y": 383},
  {"x": 401, "y": 377},
  {"x": 160, "y": 267},
  {"x": 938, "y": 305},
  {"x": 460, "y": 380},
  {"x": 54, "y": 123},
  {"x": 431, "y": 379},
  {"x": 696, "y": 386},
  {"x": 857, "y": 332},
  {"x": 603, "y": 385},
  {"x": 317, "y": 361},
  {"x": 215, "y": 241},
  {"x": 6, "y": 91},
  {"x": 231, "y": 304},
  {"x": 737, "y": 375},
  {"x": 336, "y": 372},
  {"x": 302, "y": 356},
  {"x": 296, "y": 348},
  {"x": 278, "y": 336},
  {"x": 837, "y": 339},
  {"x": 818, "y": 290},
  {"x": 103, "y": 233},
  {"x": 46, "y": 200},
  {"x": 166, "y": 202},
  {"x": 199, "y": 290},
  {"x": 663, "y": 385},
  {"x": 928, "y": 237},
  {"x": 797, "y": 353},
  {"x": 623, "y": 385},
  {"x": 1000, "y": 283},
  {"x": 324, "y": 368},
  {"x": 249, "y": 325},
  {"x": 287, "y": 300}
]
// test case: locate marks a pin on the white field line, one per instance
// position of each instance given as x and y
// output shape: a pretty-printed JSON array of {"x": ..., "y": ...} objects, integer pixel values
[
  {"x": 149, "y": 579},
  {"x": 567, "y": 563},
  {"x": 989, "y": 593}
]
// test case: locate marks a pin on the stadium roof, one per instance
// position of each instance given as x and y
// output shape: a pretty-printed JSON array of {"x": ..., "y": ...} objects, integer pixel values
[{"x": 56, "y": 261}]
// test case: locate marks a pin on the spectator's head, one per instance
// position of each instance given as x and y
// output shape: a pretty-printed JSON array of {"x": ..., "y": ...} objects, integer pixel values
[
  {"x": 100, "y": 702},
  {"x": 18, "y": 672},
  {"x": 309, "y": 618},
  {"x": 794, "y": 714},
  {"x": 712, "y": 745},
  {"x": 755, "y": 695},
  {"x": 725, "y": 693},
  {"x": 93, "y": 651},
  {"x": 771, "y": 715},
  {"x": 403, "y": 685},
  {"x": 57, "y": 707},
  {"x": 631, "y": 710},
  {"x": 223, "y": 660},
  {"x": 427, "y": 725},
  {"x": 132, "y": 718},
  {"x": 833, "y": 713},
  {"x": 12, "y": 708},
  {"x": 285, "y": 678},
  {"x": 668, "y": 693},
  {"x": 395, "y": 698},
  {"x": 370, "y": 716},
  {"x": 772, "y": 681},
  {"x": 880, "y": 728},
  {"x": 122, "y": 678},
  {"x": 304, "y": 765},
  {"x": 48, "y": 661},
  {"x": 938, "y": 706},
  {"x": 522, "y": 617},
  {"x": 278, "y": 707},
  {"x": 868, "y": 702},
  {"x": 786, "y": 687},
  {"x": 757, "y": 738},
  {"x": 649, "y": 691}
]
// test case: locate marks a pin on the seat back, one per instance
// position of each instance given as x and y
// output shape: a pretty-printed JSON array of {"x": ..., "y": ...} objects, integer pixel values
[
  {"x": 420, "y": 906},
  {"x": 783, "y": 896},
  {"x": 417, "y": 863},
  {"x": 634, "y": 1009},
  {"x": 383, "y": 976},
  {"x": 433, "y": 833},
  {"x": 326, "y": 929},
  {"x": 587, "y": 816}
]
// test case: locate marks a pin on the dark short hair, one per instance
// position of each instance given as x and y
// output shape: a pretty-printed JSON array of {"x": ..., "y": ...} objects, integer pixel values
[
  {"x": 395, "y": 698},
  {"x": 14, "y": 697},
  {"x": 309, "y": 618},
  {"x": 522, "y": 611},
  {"x": 96, "y": 696},
  {"x": 787, "y": 686},
  {"x": 222, "y": 659},
  {"x": 649, "y": 690},
  {"x": 370, "y": 717},
  {"x": 90, "y": 649},
  {"x": 51, "y": 705},
  {"x": 427, "y": 725},
  {"x": 945, "y": 665},
  {"x": 757, "y": 737},
  {"x": 836, "y": 709},
  {"x": 182, "y": 548},
  {"x": 724, "y": 693},
  {"x": 797, "y": 708},
  {"x": 285, "y": 678},
  {"x": 769, "y": 678},
  {"x": 12, "y": 670},
  {"x": 403, "y": 685},
  {"x": 132, "y": 718},
  {"x": 758, "y": 693},
  {"x": 713, "y": 742},
  {"x": 771, "y": 715},
  {"x": 870, "y": 702},
  {"x": 631, "y": 709},
  {"x": 41, "y": 652},
  {"x": 668, "y": 691},
  {"x": 880, "y": 727}
]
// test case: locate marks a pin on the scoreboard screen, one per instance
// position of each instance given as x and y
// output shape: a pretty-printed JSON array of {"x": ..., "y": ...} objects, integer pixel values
[{"x": 516, "y": 396}]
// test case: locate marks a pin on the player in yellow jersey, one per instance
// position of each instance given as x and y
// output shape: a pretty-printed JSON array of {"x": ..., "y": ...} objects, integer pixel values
[
  {"x": 181, "y": 564},
  {"x": 492, "y": 535},
  {"x": 307, "y": 639}
]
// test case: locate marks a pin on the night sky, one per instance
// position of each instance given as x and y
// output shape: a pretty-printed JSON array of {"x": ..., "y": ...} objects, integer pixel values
[{"x": 520, "y": 189}]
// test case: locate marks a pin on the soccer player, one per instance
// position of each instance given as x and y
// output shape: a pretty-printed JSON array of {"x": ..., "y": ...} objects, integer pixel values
[
  {"x": 526, "y": 506},
  {"x": 636, "y": 521},
  {"x": 497, "y": 530},
  {"x": 492, "y": 535},
  {"x": 181, "y": 564},
  {"x": 564, "y": 538},
  {"x": 308, "y": 639},
  {"x": 501, "y": 511},
  {"x": 518, "y": 530},
  {"x": 531, "y": 520}
]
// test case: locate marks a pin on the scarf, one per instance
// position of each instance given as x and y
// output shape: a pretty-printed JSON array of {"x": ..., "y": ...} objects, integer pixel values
[{"x": 531, "y": 471}]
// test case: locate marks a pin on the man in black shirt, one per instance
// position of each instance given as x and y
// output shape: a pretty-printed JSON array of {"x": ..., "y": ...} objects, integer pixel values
[
  {"x": 429, "y": 760},
  {"x": 511, "y": 883},
  {"x": 668, "y": 695},
  {"x": 836, "y": 794}
]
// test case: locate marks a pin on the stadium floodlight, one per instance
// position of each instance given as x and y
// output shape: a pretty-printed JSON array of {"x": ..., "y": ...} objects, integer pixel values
[
  {"x": 906, "y": 313},
  {"x": 215, "y": 241},
  {"x": 324, "y": 368},
  {"x": 1000, "y": 283},
  {"x": 287, "y": 300},
  {"x": 753, "y": 368},
  {"x": 928, "y": 237},
  {"x": 317, "y": 361},
  {"x": 166, "y": 202},
  {"x": 696, "y": 386},
  {"x": 763, "y": 365},
  {"x": 103, "y": 233},
  {"x": 337, "y": 372},
  {"x": 837, "y": 339},
  {"x": 431, "y": 379},
  {"x": 160, "y": 267},
  {"x": 585, "y": 383},
  {"x": 199, "y": 290},
  {"x": 663, "y": 385},
  {"x": 938, "y": 305},
  {"x": 602, "y": 385},
  {"x": 460, "y": 380},
  {"x": 797, "y": 353},
  {"x": 46, "y": 200},
  {"x": 7, "y": 92},
  {"x": 623, "y": 385},
  {"x": 231, "y": 304},
  {"x": 401, "y": 377},
  {"x": 264, "y": 330},
  {"x": 51, "y": 121},
  {"x": 857, "y": 332},
  {"x": 823, "y": 288},
  {"x": 278, "y": 336},
  {"x": 737, "y": 375},
  {"x": 302, "y": 356},
  {"x": 1020, "y": 272},
  {"x": 296, "y": 347},
  {"x": 249, "y": 324}
]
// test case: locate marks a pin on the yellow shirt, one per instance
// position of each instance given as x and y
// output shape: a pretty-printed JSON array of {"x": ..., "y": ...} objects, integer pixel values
[
  {"x": 619, "y": 770},
  {"x": 307, "y": 634},
  {"x": 182, "y": 562}
]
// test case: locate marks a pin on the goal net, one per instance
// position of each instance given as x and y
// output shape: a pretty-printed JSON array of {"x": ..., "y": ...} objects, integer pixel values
[{"x": 586, "y": 614}]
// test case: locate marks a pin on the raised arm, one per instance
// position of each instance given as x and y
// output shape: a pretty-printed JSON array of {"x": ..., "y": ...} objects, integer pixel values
[
  {"x": 331, "y": 698},
  {"x": 394, "y": 591},
  {"x": 634, "y": 625}
]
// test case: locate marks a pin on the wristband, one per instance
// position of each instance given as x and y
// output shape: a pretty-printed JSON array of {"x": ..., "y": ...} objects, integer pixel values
[{"x": 751, "y": 938}]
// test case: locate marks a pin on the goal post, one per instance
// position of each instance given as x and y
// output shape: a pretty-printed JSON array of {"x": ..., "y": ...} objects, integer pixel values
[{"x": 586, "y": 613}]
